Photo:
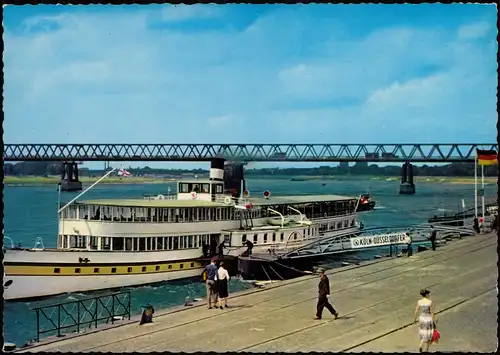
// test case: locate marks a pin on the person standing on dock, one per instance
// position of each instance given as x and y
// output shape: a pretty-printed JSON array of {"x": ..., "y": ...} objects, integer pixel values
[
  {"x": 249, "y": 247},
  {"x": 223, "y": 278},
  {"x": 426, "y": 320},
  {"x": 433, "y": 237},
  {"x": 211, "y": 283},
  {"x": 323, "y": 293},
  {"x": 221, "y": 249},
  {"x": 409, "y": 249}
]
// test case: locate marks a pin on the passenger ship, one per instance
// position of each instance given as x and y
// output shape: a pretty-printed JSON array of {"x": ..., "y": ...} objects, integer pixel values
[{"x": 104, "y": 244}]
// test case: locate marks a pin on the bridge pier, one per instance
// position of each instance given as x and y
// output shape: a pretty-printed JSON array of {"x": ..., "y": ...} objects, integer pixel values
[
  {"x": 69, "y": 178},
  {"x": 407, "y": 186}
]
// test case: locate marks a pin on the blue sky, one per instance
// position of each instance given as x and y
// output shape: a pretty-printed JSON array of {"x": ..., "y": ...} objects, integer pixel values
[{"x": 250, "y": 74}]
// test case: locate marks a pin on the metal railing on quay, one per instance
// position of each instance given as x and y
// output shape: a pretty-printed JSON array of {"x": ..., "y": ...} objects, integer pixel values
[{"x": 74, "y": 316}]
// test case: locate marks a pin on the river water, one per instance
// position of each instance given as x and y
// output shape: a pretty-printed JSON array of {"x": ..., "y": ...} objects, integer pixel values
[{"x": 30, "y": 212}]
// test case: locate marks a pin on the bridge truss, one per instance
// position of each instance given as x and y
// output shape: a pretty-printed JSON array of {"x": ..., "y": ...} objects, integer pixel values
[{"x": 437, "y": 153}]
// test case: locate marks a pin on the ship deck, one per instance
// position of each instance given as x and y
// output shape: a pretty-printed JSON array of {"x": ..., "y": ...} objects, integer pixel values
[
  {"x": 256, "y": 201},
  {"x": 376, "y": 301}
]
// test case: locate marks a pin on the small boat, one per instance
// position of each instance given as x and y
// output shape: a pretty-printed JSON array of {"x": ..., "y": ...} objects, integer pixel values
[{"x": 365, "y": 203}]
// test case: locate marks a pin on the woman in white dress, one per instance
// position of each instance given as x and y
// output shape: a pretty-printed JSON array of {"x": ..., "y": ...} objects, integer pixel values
[{"x": 426, "y": 319}]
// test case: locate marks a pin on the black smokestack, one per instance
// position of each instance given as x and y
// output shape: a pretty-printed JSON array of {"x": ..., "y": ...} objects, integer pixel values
[
  {"x": 233, "y": 175},
  {"x": 217, "y": 169}
]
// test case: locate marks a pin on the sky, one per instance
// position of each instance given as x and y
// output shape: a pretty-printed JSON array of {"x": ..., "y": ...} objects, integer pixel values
[{"x": 250, "y": 74}]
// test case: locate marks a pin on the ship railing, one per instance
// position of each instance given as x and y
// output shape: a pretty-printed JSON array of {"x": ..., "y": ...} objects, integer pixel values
[
  {"x": 418, "y": 232},
  {"x": 5, "y": 238},
  {"x": 77, "y": 316}
]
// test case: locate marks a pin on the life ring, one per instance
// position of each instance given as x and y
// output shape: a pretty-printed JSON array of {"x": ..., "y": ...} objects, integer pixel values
[
  {"x": 160, "y": 197},
  {"x": 227, "y": 200},
  {"x": 194, "y": 195}
]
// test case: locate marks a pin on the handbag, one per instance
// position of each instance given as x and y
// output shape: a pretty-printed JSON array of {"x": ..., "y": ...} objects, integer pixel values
[{"x": 435, "y": 335}]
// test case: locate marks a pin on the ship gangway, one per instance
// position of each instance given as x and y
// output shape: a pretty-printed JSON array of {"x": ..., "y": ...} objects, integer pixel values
[
  {"x": 289, "y": 261},
  {"x": 340, "y": 243}
]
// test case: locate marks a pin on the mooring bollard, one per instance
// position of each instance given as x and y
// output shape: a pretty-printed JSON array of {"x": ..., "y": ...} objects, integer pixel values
[{"x": 147, "y": 314}]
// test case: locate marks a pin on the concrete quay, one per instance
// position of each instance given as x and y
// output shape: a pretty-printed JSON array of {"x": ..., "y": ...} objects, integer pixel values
[{"x": 376, "y": 301}]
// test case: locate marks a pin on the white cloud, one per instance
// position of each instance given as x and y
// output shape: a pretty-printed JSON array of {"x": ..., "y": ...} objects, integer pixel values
[
  {"x": 220, "y": 121},
  {"x": 178, "y": 13},
  {"x": 473, "y": 30}
]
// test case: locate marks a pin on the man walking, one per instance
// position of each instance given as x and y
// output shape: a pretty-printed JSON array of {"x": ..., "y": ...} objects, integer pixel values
[
  {"x": 211, "y": 283},
  {"x": 323, "y": 293},
  {"x": 432, "y": 238}
]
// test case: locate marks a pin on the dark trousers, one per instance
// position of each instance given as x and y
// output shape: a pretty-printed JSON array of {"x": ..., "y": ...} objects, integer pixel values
[
  {"x": 322, "y": 303},
  {"x": 433, "y": 244}
]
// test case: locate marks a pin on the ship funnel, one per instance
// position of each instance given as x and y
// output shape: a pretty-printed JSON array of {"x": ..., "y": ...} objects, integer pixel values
[
  {"x": 234, "y": 180},
  {"x": 217, "y": 169}
]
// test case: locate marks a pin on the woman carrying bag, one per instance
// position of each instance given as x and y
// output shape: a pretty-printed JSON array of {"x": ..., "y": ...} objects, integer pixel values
[{"x": 426, "y": 321}]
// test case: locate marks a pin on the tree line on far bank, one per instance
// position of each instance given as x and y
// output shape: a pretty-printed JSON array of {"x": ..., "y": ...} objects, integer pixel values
[{"x": 455, "y": 169}]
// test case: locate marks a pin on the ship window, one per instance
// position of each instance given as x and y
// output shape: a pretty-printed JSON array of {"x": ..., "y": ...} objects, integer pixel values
[
  {"x": 274, "y": 237},
  {"x": 77, "y": 270},
  {"x": 117, "y": 243},
  {"x": 182, "y": 266},
  {"x": 96, "y": 270},
  {"x": 157, "y": 267},
  {"x": 205, "y": 188},
  {"x": 129, "y": 269},
  {"x": 176, "y": 243},
  {"x": 192, "y": 264},
  {"x": 184, "y": 188},
  {"x": 148, "y": 243},
  {"x": 170, "y": 266},
  {"x": 304, "y": 233},
  {"x": 244, "y": 238},
  {"x": 339, "y": 225},
  {"x": 128, "y": 244},
  {"x": 218, "y": 189},
  {"x": 265, "y": 237},
  {"x": 144, "y": 268},
  {"x": 113, "y": 270},
  {"x": 57, "y": 270},
  {"x": 255, "y": 236},
  {"x": 142, "y": 244},
  {"x": 282, "y": 237},
  {"x": 159, "y": 243}
]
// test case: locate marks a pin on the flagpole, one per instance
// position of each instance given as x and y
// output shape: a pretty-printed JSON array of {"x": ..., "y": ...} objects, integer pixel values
[
  {"x": 475, "y": 185},
  {"x": 88, "y": 188},
  {"x": 482, "y": 188}
]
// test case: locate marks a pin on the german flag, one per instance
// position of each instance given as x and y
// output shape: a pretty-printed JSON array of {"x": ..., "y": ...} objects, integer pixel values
[{"x": 486, "y": 157}]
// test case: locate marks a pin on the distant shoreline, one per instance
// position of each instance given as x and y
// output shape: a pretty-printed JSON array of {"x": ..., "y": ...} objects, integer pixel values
[{"x": 54, "y": 180}]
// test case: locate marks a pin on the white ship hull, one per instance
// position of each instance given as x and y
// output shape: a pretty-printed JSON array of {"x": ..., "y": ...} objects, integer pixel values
[
  {"x": 24, "y": 287},
  {"x": 32, "y": 272}
]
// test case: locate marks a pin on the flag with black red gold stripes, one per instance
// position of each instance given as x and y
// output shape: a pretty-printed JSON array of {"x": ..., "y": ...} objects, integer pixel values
[{"x": 486, "y": 157}]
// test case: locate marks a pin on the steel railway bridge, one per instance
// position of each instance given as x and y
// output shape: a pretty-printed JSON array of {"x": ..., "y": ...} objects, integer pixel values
[{"x": 407, "y": 154}]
